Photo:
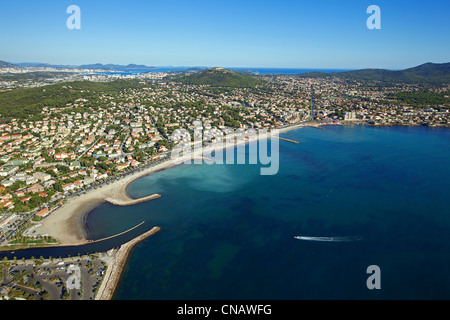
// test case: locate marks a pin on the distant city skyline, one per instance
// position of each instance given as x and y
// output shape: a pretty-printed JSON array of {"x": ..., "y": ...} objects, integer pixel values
[{"x": 234, "y": 34}]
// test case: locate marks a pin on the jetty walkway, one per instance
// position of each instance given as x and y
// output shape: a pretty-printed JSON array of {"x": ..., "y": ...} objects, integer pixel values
[{"x": 132, "y": 201}]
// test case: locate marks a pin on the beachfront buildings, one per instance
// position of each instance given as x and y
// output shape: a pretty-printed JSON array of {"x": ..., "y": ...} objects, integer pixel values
[{"x": 71, "y": 147}]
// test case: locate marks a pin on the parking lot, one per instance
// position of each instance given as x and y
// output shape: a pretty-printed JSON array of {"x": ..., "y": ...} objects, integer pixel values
[{"x": 48, "y": 280}]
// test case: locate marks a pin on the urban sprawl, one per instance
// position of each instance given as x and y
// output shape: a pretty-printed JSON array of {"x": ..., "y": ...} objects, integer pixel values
[{"x": 73, "y": 148}]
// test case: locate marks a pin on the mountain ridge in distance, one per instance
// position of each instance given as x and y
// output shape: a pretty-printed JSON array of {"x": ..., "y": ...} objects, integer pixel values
[
  {"x": 427, "y": 72},
  {"x": 110, "y": 66},
  {"x": 437, "y": 73},
  {"x": 4, "y": 64},
  {"x": 131, "y": 66}
]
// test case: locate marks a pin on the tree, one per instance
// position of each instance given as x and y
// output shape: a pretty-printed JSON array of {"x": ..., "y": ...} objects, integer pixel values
[{"x": 58, "y": 186}]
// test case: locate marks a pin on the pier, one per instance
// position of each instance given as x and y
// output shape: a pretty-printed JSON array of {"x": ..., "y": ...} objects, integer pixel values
[
  {"x": 119, "y": 234},
  {"x": 288, "y": 140},
  {"x": 115, "y": 268},
  {"x": 132, "y": 201}
]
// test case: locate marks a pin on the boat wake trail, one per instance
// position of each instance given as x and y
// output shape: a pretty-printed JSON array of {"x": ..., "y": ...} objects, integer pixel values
[{"x": 328, "y": 239}]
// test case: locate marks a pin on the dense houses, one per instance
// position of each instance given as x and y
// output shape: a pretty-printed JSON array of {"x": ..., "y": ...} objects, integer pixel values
[
  {"x": 73, "y": 146},
  {"x": 41, "y": 161}
]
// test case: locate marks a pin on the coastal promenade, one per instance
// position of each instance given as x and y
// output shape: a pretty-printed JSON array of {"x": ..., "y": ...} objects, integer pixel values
[
  {"x": 67, "y": 223},
  {"x": 116, "y": 263}
]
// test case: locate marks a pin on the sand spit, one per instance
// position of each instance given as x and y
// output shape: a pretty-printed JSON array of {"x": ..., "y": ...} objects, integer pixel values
[{"x": 67, "y": 223}]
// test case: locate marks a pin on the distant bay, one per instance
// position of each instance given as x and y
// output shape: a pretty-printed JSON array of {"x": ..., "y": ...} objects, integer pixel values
[
  {"x": 252, "y": 70},
  {"x": 229, "y": 233}
]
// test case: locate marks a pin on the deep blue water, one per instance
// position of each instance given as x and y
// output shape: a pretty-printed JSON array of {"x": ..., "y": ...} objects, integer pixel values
[{"x": 228, "y": 232}]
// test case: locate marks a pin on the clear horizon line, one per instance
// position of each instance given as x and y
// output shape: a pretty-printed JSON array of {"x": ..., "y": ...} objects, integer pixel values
[{"x": 231, "y": 67}]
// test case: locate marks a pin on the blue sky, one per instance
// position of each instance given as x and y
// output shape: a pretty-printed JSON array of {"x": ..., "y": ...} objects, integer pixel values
[{"x": 246, "y": 33}]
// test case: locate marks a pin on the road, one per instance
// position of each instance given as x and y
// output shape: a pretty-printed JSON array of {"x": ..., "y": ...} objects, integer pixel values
[{"x": 49, "y": 280}]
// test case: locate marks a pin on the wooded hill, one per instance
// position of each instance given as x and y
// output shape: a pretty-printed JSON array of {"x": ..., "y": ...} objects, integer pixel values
[
  {"x": 433, "y": 73},
  {"x": 219, "y": 77},
  {"x": 28, "y": 102}
]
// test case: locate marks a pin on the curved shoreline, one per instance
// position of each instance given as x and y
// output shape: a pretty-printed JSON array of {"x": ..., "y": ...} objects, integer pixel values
[{"x": 68, "y": 223}]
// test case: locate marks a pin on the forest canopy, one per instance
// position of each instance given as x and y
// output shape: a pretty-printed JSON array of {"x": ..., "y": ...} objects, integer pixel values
[{"x": 28, "y": 102}]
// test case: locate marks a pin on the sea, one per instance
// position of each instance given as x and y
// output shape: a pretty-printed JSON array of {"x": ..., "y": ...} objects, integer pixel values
[
  {"x": 346, "y": 201},
  {"x": 250, "y": 70}
]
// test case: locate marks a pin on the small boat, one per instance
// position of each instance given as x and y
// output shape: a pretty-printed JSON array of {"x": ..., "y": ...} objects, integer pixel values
[{"x": 328, "y": 239}]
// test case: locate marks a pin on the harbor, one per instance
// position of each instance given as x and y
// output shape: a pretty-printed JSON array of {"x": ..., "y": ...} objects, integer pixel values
[
  {"x": 102, "y": 245},
  {"x": 99, "y": 272},
  {"x": 114, "y": 271}
]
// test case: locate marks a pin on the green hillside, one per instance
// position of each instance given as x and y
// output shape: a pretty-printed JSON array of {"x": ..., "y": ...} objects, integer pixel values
[
  {"x": 433, "y": 73},
  {"x": 26, "y": 102},
  {"x": 219, "y": 77}
]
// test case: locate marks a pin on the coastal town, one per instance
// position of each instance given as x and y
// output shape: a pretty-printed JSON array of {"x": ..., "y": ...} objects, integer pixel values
[
  {"x": 71, "y": 149},
  {"x": 97, "y": 137}
]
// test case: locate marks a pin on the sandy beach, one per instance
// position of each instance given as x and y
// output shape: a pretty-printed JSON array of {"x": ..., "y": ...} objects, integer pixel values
[{"x": 67, "y": 223}]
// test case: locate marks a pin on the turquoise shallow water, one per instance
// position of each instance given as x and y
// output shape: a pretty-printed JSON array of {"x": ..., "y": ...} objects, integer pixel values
[{"x": 228, "y": 232}]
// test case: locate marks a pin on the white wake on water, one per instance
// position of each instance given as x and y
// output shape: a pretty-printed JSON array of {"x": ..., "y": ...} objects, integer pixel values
[{"x": 328, "y": 239}]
